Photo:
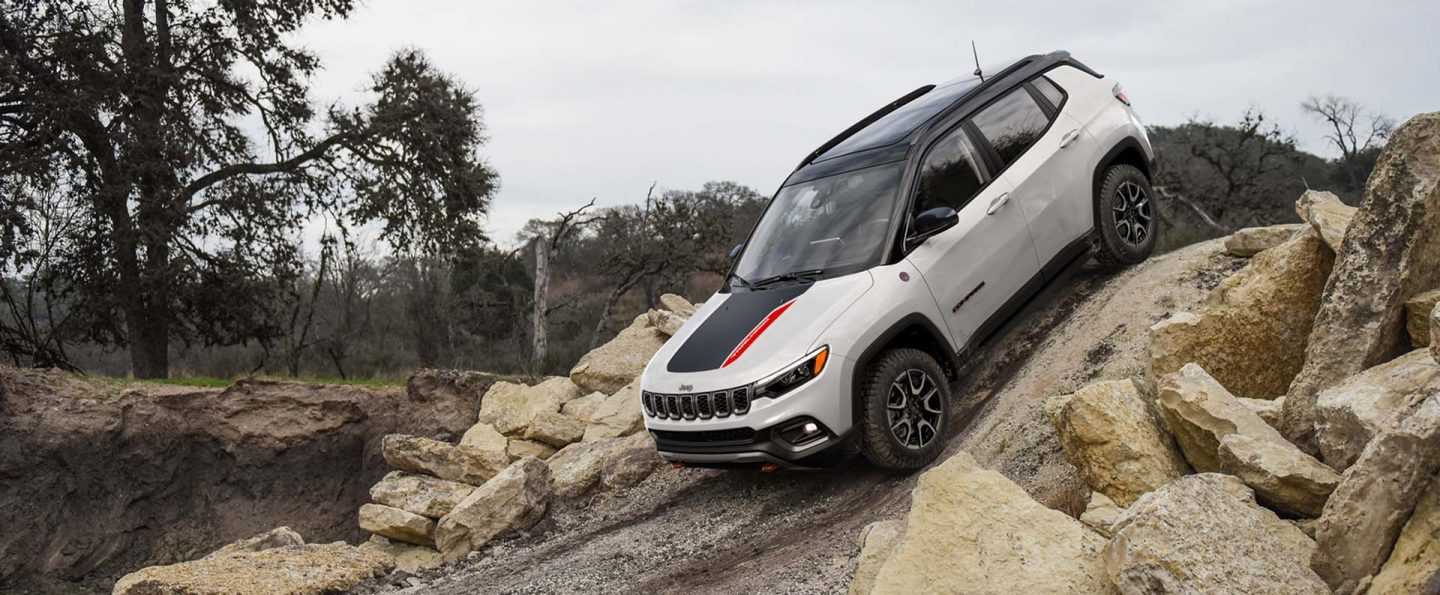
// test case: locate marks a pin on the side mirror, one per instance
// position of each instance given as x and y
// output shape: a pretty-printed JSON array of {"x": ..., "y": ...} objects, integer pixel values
[
  {"x": 735, "y": 252},
  {"x": 930, "y": 222}
]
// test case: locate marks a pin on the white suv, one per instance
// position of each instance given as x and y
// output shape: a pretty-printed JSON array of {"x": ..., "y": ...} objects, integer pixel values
[{"x": 892, "y": 251}]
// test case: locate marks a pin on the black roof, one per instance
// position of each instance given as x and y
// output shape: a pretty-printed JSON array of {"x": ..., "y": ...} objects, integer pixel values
[{"x": 888, "y": 134}]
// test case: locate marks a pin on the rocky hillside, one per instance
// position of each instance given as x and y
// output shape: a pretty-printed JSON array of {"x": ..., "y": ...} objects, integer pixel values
[{"x": 1259, "y": 414}]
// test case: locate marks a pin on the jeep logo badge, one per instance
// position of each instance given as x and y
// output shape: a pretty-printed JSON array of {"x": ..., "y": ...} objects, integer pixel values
[{"x": 687, "y": 387}]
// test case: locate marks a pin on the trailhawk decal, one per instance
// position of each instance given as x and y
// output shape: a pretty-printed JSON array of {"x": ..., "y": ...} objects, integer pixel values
[{"x": 732, "y": 328}]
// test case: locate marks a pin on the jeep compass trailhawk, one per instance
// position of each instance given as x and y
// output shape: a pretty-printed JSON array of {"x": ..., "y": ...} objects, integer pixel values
[{"x": 889, "y": 253}]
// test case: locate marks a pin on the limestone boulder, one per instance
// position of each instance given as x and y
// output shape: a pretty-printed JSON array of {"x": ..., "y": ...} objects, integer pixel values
[
  {"x": 665, "y": 321},
  {"x": 970, "y": 528},
  {"x": 1200, "y": 413},
  {"x": 1267, "y": 409},
  {"x": 1417, "y": 317},
  {"x": 1375, "y": 497},
  {"x": 1348, "y": 415},
  {"x": 877, "y": 540},
  {"x": 1101, "y": 513},
  {"x": 518, "y": 449},
  {"x": 510, "y": 408},
  {"x": 577, "y": 468},
  {"x": 1116, "y": 440},
  {"x": 296, "y": 569},
  {"x": 277, "y": 537},
  {"x": 1435, "y": 334},
  {"x": 1324, "y": 211},
  {"x": 406, "y": 557},
  {"x": 630, "y": 460},
  {"x": 677, "y": 305},
  {"x": 1250, "y": 333},
  {"x": 514, "y": 500},
  {"x": 1205, "y": 534},
  {"x": 1414, "y": 563},
  {"x": 419, "y": 494},
  {"x": 1391, "y": 252},
  {"x": 1284, "y": 478},
  {"x": 613, "y": 365},
  {"x": 555, "y": 429},
  {"x": 584, "y": 407},
  {"x": 441, "y": 459},
  {"x": 482, "y": 436},
  {"x": 397, "y": 525},
  {"x": 1253, "y": 240},
  {"x": 619, "y": 415}
]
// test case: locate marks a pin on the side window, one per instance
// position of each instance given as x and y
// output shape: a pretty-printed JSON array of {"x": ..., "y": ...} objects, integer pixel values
[
  {"x": 950, "y": 175},
  {"x": 1012, "y": 124},
  {"x": 1051, "y": 92}
]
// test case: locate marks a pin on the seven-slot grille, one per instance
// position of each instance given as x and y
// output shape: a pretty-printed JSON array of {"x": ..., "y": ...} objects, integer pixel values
[{"x": 725, "y": 403}]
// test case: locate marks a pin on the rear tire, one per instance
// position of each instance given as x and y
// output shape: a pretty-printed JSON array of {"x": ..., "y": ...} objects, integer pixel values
[
  {"x": 1126, "y": 224},
  {"x": 905, "y": 409}
]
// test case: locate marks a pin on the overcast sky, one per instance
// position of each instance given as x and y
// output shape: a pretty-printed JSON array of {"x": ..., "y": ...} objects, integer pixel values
[{"x": 583, "y": 101}]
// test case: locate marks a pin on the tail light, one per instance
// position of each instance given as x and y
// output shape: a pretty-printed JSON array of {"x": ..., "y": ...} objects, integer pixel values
[{"x": 1119, "y": 93}]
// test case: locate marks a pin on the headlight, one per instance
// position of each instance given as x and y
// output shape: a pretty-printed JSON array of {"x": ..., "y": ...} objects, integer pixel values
[{"x": 788, "y": 379}]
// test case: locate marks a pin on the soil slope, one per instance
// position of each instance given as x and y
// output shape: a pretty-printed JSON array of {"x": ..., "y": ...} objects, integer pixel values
[{"x": 795, "y": 532}]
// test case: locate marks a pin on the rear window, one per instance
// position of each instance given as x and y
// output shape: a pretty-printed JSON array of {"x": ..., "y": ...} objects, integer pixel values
[
  {"x": 1012, "y": 124},
  {"x": 900, "y": 123}
]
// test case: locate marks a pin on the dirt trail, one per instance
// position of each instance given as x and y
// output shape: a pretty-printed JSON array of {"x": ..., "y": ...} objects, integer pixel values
[{"x": 795, "y": 532}]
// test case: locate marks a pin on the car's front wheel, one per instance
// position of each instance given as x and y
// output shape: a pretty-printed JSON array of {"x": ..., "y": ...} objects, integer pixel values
[
  {"x": 1125, "y": 217},
  {"x": 905, "y": 410}
]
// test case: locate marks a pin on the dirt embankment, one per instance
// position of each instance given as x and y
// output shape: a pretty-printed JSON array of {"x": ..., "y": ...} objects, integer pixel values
[
  {"x": 98, "y": 480},
  {"x": 744, "y": 532}
]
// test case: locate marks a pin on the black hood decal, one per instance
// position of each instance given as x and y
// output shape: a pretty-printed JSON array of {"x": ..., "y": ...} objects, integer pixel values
[{"x": 726, "y": 327}]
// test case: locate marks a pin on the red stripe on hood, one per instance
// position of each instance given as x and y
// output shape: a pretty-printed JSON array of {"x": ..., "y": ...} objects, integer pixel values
[{"x": 755, "y": 333}]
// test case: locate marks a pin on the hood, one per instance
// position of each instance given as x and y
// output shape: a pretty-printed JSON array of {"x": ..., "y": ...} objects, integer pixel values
[{"x": 742, "y": 334}]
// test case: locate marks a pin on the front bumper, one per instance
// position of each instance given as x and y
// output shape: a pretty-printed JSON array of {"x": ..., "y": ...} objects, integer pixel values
[{"x": 746, "y": 448}]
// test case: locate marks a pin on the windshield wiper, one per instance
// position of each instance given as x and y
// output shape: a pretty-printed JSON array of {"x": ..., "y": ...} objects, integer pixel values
[
  {"x": 806, "y": 275},
  {"x": 743, "y": 282}
]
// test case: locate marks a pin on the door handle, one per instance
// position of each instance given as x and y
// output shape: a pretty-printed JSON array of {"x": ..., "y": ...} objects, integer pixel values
[
  {"x": 998, "y": 203},
  {"x": 1069, "y": 138}
]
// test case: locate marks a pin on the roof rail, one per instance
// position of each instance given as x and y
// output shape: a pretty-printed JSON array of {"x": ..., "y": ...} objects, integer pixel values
[{"x": 880, "y": 113}]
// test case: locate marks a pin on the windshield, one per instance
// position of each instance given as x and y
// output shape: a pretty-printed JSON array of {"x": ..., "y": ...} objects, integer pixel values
[{"x": 830, "y": 226}]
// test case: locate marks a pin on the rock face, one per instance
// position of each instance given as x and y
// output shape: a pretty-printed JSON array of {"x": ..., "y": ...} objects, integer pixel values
[
  {"x": 1324, "y": 211},
  {"x": 584, "y": 407},
  {"x": 677, "y": 305},
  {"x": 277, "y": 537},
  {"x": 1375, "y": 497},
  {"x": 519, "y": 449},
  {"x": 630, "y": 460},
  {"x": 577, "y": 468},
  {"x": 1348, "y": 415},
  {"x": 515, "y": 499},
  {"x": 1417, "y": 317},
  {"x": 1101, "y": 514},
  {"x": 484, "y": 437},
  {"x": 511, "y": 407},
  {"x": 397, "y": 524},
  {"x": 1250, "y": 333},
  {"x": 1204, "y": 534},
  {"x": 406, "y": 557},
  {"x": 555, "y": 429},
  {"x": 1267, "y": 410},
  {"x": 330, "y": 568},
  {"x": 618, "y": 415},
  {"x": 1252, "y": 240},
  {"x": 1116, "y": 440},
  {"x": 1414, "y": 564},
  {"x": 1284, "y": 478},
  {"x": 877, "y": 541},
  {"x": 1391, "y": 252},
  {"x": 969, "y": 527},
  {"x": 446, "y": 461},
  {"x": 1200, "y": 413},
  {"x": 615, "y": 364},
  {"x": 419, "y": 494}
]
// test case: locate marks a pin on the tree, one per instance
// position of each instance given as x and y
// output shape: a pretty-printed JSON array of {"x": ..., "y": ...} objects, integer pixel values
[
  {"x": 546, "y": 239},
  {"x": 147, "y": 106},
  {"x": 1356, "y": 132}
]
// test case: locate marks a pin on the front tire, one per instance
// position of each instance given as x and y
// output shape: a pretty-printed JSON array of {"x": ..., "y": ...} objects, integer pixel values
[
  {"x": 905, "y": 410},
  {"x": 1125, "y": 217}
]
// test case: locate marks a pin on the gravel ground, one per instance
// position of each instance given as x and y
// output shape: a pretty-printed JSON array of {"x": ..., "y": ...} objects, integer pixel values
[{"x": 715, "y": 531}]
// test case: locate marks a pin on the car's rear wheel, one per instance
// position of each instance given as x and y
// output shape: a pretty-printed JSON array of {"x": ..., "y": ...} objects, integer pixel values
[
  {"x": 905, "y": 410},
  {"x": 1125, "y": 219}
]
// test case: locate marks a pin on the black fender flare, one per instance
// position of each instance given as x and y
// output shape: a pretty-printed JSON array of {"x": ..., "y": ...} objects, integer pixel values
[{"x": 950, "y": 360}]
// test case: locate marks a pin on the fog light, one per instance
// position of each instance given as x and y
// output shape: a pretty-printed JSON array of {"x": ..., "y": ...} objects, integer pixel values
[{"x": 802, "y": 432}]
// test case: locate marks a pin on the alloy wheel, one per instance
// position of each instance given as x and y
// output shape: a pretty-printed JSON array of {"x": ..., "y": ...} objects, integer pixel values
[
  {"x": 1133, "y": 217},
  {"x": 913, "y": 408}
]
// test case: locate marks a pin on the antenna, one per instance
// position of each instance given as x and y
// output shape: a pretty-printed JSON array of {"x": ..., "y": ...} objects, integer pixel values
[{"x": 977, "y": 61}]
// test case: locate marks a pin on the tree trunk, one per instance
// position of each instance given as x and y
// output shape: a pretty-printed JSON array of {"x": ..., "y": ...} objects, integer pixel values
[{"x": 542, "y": 299}]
